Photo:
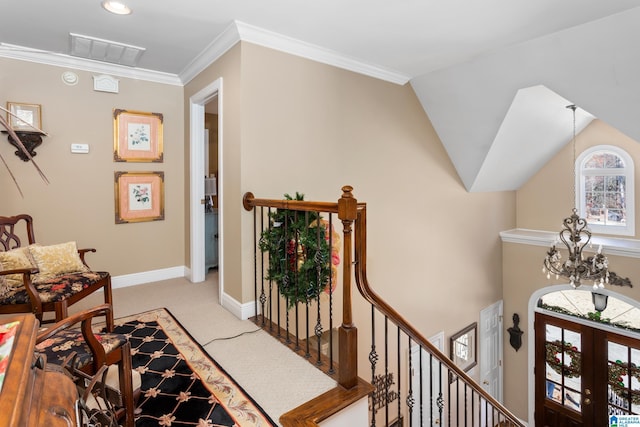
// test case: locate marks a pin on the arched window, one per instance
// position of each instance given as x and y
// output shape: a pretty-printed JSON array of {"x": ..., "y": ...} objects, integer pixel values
[{"x": 605, "y": 193}]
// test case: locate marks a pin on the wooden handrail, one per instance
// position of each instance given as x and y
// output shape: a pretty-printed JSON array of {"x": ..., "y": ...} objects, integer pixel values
[
  {"x": 351, "y": 211},
  {"x": 395, "y": 317},
  {"x": 346, "y": 208}
]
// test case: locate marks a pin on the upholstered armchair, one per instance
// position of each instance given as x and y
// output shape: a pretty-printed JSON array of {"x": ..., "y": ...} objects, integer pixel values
[
  {"x": 92, "y": 351},
  {"x": 39, "y": 279}
]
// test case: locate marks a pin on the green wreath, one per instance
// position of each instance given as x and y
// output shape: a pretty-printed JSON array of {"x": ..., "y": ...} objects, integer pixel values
[
  {"x": 617, "y": 370},
  {"x": 553, "y": 349},
  {"x": 299, "y": 253}
]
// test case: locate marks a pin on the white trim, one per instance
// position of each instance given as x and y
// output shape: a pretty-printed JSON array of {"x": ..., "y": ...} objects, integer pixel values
[
  {"x": 629, "y": 228},
  {"x": 610, "y": 245},
  {"x": 196, "y": 181},
  {"x": 241, "y": 311},
  {"x": 237, "y": 31},
  {"x": 133, "y": 279},
  {"x": 210, "y": 54},
  {"x": 67, "y": 61},
  {"x": 259, "y": 36}
]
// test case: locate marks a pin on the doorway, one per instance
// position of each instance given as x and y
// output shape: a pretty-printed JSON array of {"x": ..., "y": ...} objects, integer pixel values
[
  {"x": 583, "y": 374},
  {"x": 197, "y": 103}
]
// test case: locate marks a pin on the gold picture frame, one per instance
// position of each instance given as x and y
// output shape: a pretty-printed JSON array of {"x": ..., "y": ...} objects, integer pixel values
[
  {"x": 24, "y": 117},
  {"x": 139, "y": 196},
  {"x": 137, "y": 136}
]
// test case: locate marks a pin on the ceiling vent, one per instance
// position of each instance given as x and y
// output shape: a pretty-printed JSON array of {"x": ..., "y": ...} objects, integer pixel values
[{"x": 105, "y": 50}]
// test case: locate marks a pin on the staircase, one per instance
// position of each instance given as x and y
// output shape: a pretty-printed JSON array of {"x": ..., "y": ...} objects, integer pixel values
[{"x": 405, "y": 379}]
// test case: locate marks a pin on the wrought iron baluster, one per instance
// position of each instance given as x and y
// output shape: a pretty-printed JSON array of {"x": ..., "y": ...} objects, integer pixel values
[
  {"x": 421, "y": 385},
  {"x": 373, "y": 359},
  {"x": 410, "y": 399},
  {"x": 440, "y": 400},
  {"x": 263, "y": 297},
  {"x": 297, "y": 282},
  {"x": 318, "y": 328},
  {"x": 399, "y": 371},
  {"x": 431, "y": 388},
  {"x": 386, "y": 370},
  {"x": 331, "y": 370}
]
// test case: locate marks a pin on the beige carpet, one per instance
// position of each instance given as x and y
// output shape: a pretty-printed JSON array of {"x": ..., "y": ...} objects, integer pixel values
[{"x": 276, "y": 378}]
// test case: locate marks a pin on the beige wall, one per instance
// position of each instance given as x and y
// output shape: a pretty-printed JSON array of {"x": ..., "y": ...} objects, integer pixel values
[
  {"x": 78, "y": 204},
  {"x": 228, "y": 69},
  {"x": 434, "y": 249},
  {"x": 289, "y": 124},
  {"x": 542, "y": 203}
]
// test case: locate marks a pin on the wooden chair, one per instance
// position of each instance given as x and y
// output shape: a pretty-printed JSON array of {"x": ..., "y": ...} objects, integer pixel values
[
  {"x": 93, "y": 351},
  {"x": 51, "y": 295}
]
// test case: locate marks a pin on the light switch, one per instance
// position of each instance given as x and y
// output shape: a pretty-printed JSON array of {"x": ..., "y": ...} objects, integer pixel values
[{"x": 80, "y": 148}]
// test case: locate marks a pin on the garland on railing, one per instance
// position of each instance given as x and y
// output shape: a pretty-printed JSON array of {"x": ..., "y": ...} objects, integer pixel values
[{"x": 300, "y": 258}]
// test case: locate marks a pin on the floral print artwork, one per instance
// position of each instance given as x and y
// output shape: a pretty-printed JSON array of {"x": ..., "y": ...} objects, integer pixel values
[
  {"x": 139, "y": 136},
  {"x": 140, "y": 197}
]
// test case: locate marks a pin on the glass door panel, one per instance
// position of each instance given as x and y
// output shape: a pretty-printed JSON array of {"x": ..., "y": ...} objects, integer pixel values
[
  {"x": 623, "y": 386},
  {"x": 563, "y": 366}
]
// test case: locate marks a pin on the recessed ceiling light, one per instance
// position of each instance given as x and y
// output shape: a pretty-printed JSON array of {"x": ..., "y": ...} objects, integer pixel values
[{"x": 116, "y": 7}]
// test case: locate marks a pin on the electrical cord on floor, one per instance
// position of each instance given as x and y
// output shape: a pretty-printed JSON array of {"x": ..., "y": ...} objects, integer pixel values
[{"x": 230, "y": 338}]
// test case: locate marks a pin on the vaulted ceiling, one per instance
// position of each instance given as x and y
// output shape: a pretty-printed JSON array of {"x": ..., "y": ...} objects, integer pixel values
[{"x": 493, "y": 76}]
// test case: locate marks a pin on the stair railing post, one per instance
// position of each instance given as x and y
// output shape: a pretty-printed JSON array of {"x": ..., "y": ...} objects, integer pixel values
[{"x": 348, "y": 333}]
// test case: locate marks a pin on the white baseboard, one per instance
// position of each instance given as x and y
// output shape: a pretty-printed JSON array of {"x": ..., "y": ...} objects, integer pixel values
[
  {"x": 147, "y": 276},
  {"x": 241, "y": 311}
]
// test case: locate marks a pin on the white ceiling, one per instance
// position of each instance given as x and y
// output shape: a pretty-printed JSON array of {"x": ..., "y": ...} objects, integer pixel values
[{"x": 416, "y": 41}]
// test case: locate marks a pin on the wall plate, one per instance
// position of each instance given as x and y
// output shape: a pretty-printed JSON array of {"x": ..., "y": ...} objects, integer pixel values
[{"x": 80, "y": 148}]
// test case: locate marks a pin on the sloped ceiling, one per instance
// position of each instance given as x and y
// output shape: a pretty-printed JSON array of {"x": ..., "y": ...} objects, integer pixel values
[{"x": 502, "y": 116}]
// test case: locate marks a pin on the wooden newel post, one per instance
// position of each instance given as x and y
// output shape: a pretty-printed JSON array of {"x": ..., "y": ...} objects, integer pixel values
[{"x": 348, "y": 334}]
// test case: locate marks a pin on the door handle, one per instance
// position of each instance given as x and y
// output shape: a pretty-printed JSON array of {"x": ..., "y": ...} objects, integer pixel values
[{"x": 485, "y": 382}]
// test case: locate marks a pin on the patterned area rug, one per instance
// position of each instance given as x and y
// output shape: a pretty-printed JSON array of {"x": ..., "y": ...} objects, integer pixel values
[{"x": 181, "y": 384}]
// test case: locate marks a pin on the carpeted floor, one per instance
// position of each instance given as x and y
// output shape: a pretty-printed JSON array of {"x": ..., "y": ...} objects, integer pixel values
[{"x": 181, "y": 384}]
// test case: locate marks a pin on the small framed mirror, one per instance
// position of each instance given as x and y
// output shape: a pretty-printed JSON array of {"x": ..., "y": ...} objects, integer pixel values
[{"x": 464, "y": 347}]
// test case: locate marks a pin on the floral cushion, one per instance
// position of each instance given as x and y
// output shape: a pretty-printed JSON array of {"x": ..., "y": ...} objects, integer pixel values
[
  {"x": 55, "y": 289},
  {"x": 55, "y": 260},
  {"x": 63, "y": 343}
]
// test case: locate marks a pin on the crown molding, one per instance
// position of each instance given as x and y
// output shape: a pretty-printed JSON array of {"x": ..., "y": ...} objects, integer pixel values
[
  {"x": 67, "y": 61},
  {"x": 210, "y": 54},
  {"x": 610, "y": 245},
  {"x": 235, "y": 32},
  {"x": 239, "y": 31},
  {"x": 276, "y": 41}
]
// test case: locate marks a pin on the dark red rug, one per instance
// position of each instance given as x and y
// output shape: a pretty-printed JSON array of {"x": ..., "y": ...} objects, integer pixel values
[{"x": 181, "y": 384}]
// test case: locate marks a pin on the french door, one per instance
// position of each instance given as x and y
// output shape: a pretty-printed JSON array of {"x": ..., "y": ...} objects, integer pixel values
[{"x": 583, "y": 374}]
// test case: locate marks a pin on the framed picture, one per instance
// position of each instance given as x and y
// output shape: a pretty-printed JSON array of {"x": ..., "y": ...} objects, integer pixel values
[
  {"x": 139, "y": 196},
  {"x": 137, "y": 136},
  {"x": 464, "y": 347},
  {"x": 24, "y": 117}
]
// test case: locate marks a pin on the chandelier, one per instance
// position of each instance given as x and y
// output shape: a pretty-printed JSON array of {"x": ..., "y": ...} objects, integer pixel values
[{"x": 576, "y": 236}]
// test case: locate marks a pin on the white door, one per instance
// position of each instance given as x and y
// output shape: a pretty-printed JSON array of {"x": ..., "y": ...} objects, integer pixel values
[
  {"x": 491, "y": 350},
  {"x": 421, "y": 413}
]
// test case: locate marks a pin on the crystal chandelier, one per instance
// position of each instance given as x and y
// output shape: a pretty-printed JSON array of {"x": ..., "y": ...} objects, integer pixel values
[{"x": 576, "y": 236}]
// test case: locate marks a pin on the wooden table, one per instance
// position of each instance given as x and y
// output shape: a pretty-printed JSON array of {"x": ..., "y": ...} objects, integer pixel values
[{"x": 30, "y": 395}]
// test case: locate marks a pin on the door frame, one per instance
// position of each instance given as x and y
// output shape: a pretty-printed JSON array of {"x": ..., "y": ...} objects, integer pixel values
[
  {"x": 196, "y": 183},
  {"x": 531, "y": 341}
]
